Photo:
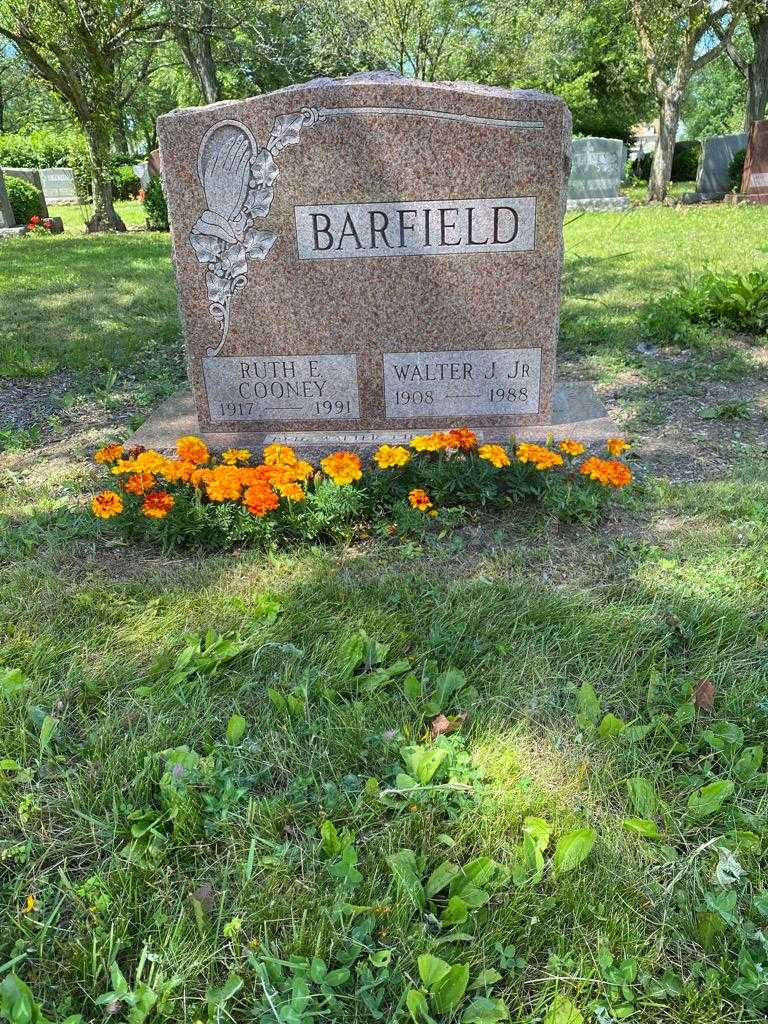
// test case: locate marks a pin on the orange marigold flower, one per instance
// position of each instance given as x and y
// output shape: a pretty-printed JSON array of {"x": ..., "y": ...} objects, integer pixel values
[
  {"x": 157, "y": 504},
  {"x": 139, "y": 483},
  {"x": 109, "y": 453},
  {"x": 192, "y": 449},
  {"x": 494, "y": 454},
  {"x": 223, "y": 483},
  {"x": 342, "y": 467},
  {"x": 279, "y": 455},
  {"x": 462, "y": 437},
  {"x": 541, "y": 457},
  {"x": 609, "y": 472},
  {"x": 150, "y": 461},
  {"x": 572, "y": 448},
  {"x": 616, "y": 446},
  {"x": 387, "y": 456},
  {"x": 292, "y": 491},
  {"x": 420, "y": 500},
  {"x": 176, "y": 471},
  {"x": 259, "y": 499},
  {"x": 107, "y": 504},
  {"x": 198, "y": 477},
  {"x": 232, "y": 456}
]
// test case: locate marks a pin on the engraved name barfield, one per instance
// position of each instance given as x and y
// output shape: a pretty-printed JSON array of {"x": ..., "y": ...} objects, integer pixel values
[
  {"x": 281, "y": 388},
  {"x": 434, "y": 228}
]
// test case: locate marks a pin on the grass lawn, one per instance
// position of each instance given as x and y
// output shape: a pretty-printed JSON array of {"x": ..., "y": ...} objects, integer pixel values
[{"x": 201, "y": 774}]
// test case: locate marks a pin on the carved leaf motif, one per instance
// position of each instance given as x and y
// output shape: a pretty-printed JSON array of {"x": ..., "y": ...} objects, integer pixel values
[
  {"x": 285, "y": 131},
  {"x": 233, "y": 261},
  {"x": 207, "y": 249},
  {"x": 258, "y": 243},
  {"x": 258, "y": 202},
  {"x": 218, "y": 291},
  {"x": 263, "y": 169}
]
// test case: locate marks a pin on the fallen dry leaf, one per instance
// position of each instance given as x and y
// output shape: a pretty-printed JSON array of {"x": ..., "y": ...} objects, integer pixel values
[
  {"x": 442, "y": 726},
  {"x": 703, "y": 695}
]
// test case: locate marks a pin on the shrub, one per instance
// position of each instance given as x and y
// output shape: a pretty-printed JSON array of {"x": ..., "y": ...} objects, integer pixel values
[
  {"x": 79, "y": 159},
  {"x": 125, "y": 184},
  {"x": 155, "y": 205},
  {"x": 197, "y": 499},
  {"x": 44, "y": 147},
  {"x": 736, "y": 301},
  {"x": 736, "y": 170},
  {"x": 26, "y": 200},
  {"x": 643, "y": 166},
  {"x": 685, "y": 162}
]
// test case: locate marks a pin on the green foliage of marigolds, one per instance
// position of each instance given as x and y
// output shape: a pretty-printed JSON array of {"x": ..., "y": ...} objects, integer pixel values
[
  {"x": 155, "y": 204},
  {"x": 26, "y": 200}
]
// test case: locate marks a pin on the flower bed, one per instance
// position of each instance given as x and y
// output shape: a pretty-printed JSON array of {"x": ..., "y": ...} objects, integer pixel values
[{"x": 198, "y": 498}]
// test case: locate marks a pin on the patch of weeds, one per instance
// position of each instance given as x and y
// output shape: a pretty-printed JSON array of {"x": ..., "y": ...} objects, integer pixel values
[{"x": 19, "y": 439}]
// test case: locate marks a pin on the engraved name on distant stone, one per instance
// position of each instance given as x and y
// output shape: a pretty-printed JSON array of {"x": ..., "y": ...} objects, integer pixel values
[{"x": 433, "y": 228}]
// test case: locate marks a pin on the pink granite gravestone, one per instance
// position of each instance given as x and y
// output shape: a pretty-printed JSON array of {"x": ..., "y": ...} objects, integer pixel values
[
  {"x": 754, "y": 183},
  {"x": 369, "y": 254}
]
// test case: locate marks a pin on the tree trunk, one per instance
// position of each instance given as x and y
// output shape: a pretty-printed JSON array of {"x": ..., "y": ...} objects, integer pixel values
[
  {"x": 104, "y": 217},
  {"x": 757, "y": 73},
  {"x": 669, "y": 119}
]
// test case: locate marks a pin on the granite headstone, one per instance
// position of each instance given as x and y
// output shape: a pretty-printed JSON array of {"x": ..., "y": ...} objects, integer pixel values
[
  {"x": 597, "y": 170},
  {"x": 7, "y": 220},
  {"x": 754, "y": 184},
  {"x": 717, "y": 152},
  {"x": 369, "y": 253},
  {"x": 58, "y": 184}
]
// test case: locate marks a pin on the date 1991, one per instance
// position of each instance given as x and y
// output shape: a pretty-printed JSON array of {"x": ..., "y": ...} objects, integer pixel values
[{"x": 250, "y": 410}]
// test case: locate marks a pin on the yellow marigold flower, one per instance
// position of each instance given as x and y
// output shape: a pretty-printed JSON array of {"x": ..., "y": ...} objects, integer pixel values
[
  {"x": 572, "y": 448},
  {"x": 420, "y": 500},
  {"x": 232, "y": 456},
  {"x": 107, "y": 504},
  {"x": 157, "y": 505},
  {"x": 616, "y": 446},
  {"x": 124, "y": 466},
  {"x": 223, "y": 483},
  {"x": 292, "y": 491},
  {"x": 139, "y": 483},
  {"x": 342, "y": 467},
  {"x": 302, "y": 469},
  {"x": 30, "y": 904},
  {"x": 279, "y": 455},
  {"x": 541, "y": 457},
  {"x": 462, "y": 437},
  {"x": 259, "y": 499},
  {"x": 431, "y": 442},
  {"x": 494, "y": 454},
  {"x": 109, "y": 453},
  {"x": 388, "y": 456},
  {"x": 192, "y": 449},
  {"x": 150, "y": 461}
]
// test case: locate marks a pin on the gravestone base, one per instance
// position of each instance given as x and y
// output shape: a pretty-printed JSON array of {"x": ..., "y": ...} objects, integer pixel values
[
  {"x": 606, "y": 203},
  {"x": 12, "y": 232},
  {"x": 577, "y": 413},
  {"x": 756, "y": 198},
  {"x": 693, "y": 198}
]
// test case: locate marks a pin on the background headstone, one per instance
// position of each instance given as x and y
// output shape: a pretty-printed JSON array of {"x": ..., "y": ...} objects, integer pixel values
[
  {"x": 30, "y": 174},
  {"x": 597, "y": 170},
  {"x": 58, "y": 184},
  {"x": 717, "y": 152},
  {"x": 7, "y": 221},
  {"x": 371, "y": 253},
  {"x": 754, "y": 183},
  {"x": 141, "y": 171}
]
